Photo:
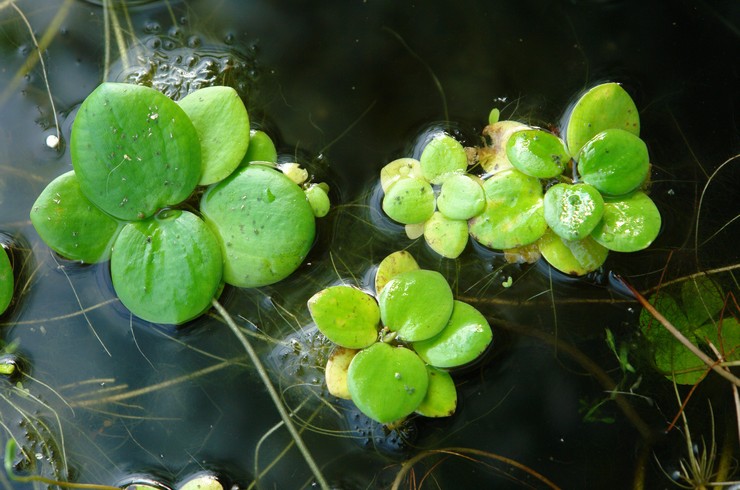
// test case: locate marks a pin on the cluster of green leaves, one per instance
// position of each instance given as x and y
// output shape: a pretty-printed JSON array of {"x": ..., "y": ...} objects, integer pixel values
[
  {"x": 137, "y": 157},
  {"x": 571, "y": 200},
  {"x": 7, "y": 282},
  {"x": 393, "y": 353},
  {"x": 694, "y": 309}
]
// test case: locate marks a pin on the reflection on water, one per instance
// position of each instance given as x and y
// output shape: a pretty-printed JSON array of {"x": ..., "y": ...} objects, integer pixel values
[{"x": 348, "y": 87}]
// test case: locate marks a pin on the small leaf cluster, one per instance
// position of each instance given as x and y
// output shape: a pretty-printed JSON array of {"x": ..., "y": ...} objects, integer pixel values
[
  {"x": 138, "y": 157},
  {"x": 694, "y": 309},
  {"x": 571, "y": 200},
  {"x": 393, "y": 352}
]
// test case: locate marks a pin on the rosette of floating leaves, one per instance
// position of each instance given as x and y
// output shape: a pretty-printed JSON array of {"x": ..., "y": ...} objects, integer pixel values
[
  {"x": 587, "y": 210},
  {"x": 434, "y": 196},
  {"x": 392, "y": 353},
  {"x": 137, "y": 155},
  {"x": 7, "y": 281}
]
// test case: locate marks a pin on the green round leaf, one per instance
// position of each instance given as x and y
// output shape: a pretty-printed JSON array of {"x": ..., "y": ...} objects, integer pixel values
[
  {"x": 606, "y": 106},
  {"x": 319, "y": 200},
  {"x": 445, "y": 236},
  {"x": 461, "y": 197},
  {"x": 417, "y": 304},
  {"x": 493, "y": 156},
  {"x": 260, "y": 149},
  {"x": 222, "y": 124},
  {"x": 573, "y": 211},
  {"x": 443, "y": 155},
  {"x": 346, "y": 316},
  {"x": 336, "y": 372},
  {"x": 614, "y": 161},
  {"x": 134, "y": 151},
  {"x": 465, "y": 337},
  {"x": 537, "y": 153},
  {"x": 399, "y": 169},
  {"x": 441, "y": 397},
  {"x": 264, "y": 223},
  {"x": 393, "y": 265},
  {"x": 387, "y": 383},
  {"x": 6, "y": 280},
  {"x": 577, "y": 257},
  {"x": 409, "y": 200},
  {"x": 168, "y": 268},
  {"x": 514, "y": 214},
  {"x": 629, "y": 223},
  {"x": 70, "y": 224}
]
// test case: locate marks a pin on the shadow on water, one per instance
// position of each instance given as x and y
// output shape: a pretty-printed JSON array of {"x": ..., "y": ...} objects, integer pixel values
[{"x": 346, "y": 87}]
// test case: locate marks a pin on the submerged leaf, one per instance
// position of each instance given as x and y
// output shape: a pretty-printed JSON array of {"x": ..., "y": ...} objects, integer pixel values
[{"x": 702, "y": 299}]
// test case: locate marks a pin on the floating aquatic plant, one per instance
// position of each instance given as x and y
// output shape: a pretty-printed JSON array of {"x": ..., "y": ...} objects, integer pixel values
[
  {"x": 137, "y": 156},
  {"x": 392, "y": 352},
  {"x": 7, "y": 281},
  {"x": 573, "y": 200}
]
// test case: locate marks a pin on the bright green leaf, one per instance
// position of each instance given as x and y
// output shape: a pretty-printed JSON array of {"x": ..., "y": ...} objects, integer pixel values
[
  {"x": 134, "y": 151},
  {"x": 537, "y": 153},
  {"x": 514, "y": 214},
  {"x": 319, "y": 200},
  {"x": 399, "y": 169},
  {"x": 441, "y": 397},
  {"x": 346, "y": 316},
  {"x": 417, "y": 304},
  {"x": 264, "y": 223},
  {"x": 442, "y": 156},
  {"x": 387, "y": 383},
  {"x": 573, "y": 210},
  {"x": 606, "y": 106},
  {"x": 614, "y": 161},
  {"x": 167, "y": 269},
  {"x": 578, "y": 257},
  {"x": 6, "y": 280},
  {"x": 409, "y": 200},
  {"x": 391, "y": 266},
  {"x": 70, "y": 224},
  {"x": 260, "y": 149},
  {"x": 445, "y": 236},
  {"x": 629, "y": 223},
  {"x": 461, "y": 197},
  {"x": 465, "y": 337},
  {"x": 222, "y": 124}
]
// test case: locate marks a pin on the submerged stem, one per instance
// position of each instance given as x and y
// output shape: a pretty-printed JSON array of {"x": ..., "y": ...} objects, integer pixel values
[{"x": 274, "y": 395}]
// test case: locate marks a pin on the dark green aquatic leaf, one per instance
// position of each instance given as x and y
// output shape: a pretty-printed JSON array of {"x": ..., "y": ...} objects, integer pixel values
[
  {"x": 417, "y": 304},
  {"x": 573, "y": 210},
  {"x": 222, "y": 124},
  {"x": 461, "y": 197},
  {"x": 702, "y": 299},
  {"x": 134, "y": 151},
  {"x": 409, "y": 200},
  {"x": 445, "y": 236},
  {"x": 442, "y": 156},
  {"x": 441, "y": 397},
  {"x": 387, "y": 383},
  {"x": 577, "y": 257},
  {"x": 264, "y": 223},
  {"x": 465, "y": 337},
  {"x": 7, "y": 281},
  {"x": 606, "y": 106},
  {"x": 514, "y": 214},
  {"x": 70, "y": 224},
  {"x": 391, "y": 266},
  {"x": 167, "y": 269},
  {"x": 346, "y": 316},
  {"x": 651, "y": 328},
  {"x": 629, "y": 224},
  {"x": 614, "y": 161},
  {"x": 260, "y": 149},
  {"x": 537, "y": 153}
]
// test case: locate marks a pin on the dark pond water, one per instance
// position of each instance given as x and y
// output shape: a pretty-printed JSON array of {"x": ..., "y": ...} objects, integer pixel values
[{"x": 347, "y": 86}]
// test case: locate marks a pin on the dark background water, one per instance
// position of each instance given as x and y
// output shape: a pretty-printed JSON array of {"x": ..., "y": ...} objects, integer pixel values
[{"x": 347, "y": 86}]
